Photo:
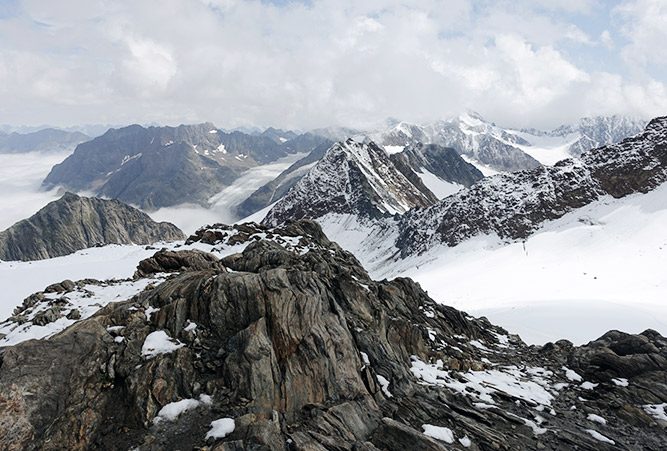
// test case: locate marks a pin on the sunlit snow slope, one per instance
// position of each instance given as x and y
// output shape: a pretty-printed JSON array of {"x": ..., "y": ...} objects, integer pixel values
[{"x": 601, "y": 267}]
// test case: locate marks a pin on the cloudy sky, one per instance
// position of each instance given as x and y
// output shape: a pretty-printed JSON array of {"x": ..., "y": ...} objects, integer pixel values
[{"x": 304, "y": 64}]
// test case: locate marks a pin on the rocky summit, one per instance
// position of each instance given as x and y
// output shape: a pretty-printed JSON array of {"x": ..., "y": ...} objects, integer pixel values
[
  {"x": 72, "y": 223},
  {"x": 293, "y": 347}
]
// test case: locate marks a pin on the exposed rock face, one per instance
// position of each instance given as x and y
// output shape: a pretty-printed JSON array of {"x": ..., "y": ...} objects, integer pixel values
[
  {"x": 303, "y": 351},
  {"x": 277, "y": 188},
  {"x": 47, "y": 140},
  {"x": 352, "y": 178},
  {"x": 637, "y": 164},
  {"x": 600, "y": 131},
  {"x": 161, "y": 166},
  {"x": 72, "y": 223},
  {"x": 509, "y": 205},
  {"x": 443, "y": 162}
]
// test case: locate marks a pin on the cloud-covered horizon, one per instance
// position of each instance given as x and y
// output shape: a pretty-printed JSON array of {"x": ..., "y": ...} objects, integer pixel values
[{"x": 308, "y": 64}]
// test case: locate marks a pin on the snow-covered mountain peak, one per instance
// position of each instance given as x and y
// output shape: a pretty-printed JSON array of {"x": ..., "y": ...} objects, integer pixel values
[{"x": 352, "y": 177}]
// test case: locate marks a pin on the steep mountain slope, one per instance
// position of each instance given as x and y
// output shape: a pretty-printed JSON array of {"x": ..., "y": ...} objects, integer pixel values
[
  {"x": 163, "y": 166},
  {"x": 497, "y": 149},
  {"x": 72, "y": 223},
  {"x": 514, "y": 205},
  {"x": 278, "y": 187},
  {"x": 294, "y": 344},
  {"x": 441, "y": 169},
  {"x": 352, "y": 178},
  {"x": 46, "y": 140}
]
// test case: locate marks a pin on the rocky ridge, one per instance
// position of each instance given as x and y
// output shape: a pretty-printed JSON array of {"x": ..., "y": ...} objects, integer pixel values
[
  {"x": 299, "y": 349},
  {"x": 352, "y": 177},
  {"x": 277, "y": 188},
  {"x": 72, "y": 223},
  {"x": 470, "y": 135},
  {"x": 510, "y": 206},
  {"x": 514, "y": 205},
  {"x": 443, "y": 162},
  {"x": 600, "y": 131}
]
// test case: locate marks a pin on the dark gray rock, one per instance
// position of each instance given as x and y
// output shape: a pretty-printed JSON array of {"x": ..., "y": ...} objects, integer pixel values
[
  {"x": 355, "y": 178},
  {"x": 155, "y": 167},
  {"x": 304, "y": 351},
  {"x": 176, "y": 261},
  {"x": 72, "y": 223},
  {"x": 444, "y": 162}
]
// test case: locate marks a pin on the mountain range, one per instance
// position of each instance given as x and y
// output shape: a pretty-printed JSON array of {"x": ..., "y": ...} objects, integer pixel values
[
  {"x": 254, "y": 336},
  {"x": 510, "y": 206},
  {"x": 44, "y": 140},
  {"x": 155, "y": 167},
  {"x": 163, "y": 166}
]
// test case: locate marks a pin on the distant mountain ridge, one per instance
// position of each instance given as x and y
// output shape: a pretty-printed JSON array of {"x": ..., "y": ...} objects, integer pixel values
[
  {"x": 164, "y": 166},
  {"x": 362, "y": 178},
  {"x": 511, "y": 206},
  {"x": 514, "y": 205},
  {"x": 72, "y": 223},
  {"x": 504, "y": 149},
  {"x": 45, "y": 140}
]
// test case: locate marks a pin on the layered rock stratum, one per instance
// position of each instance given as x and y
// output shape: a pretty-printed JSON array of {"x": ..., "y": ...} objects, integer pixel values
[
  {"x": 72, "y": 223},
  {"x": 289, "y": 345}
]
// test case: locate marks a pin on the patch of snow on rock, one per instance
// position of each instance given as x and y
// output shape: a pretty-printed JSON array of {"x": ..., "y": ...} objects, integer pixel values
[
  {"x": 159, "y": 342},
  {"x": 439, "y": 433},
  {"x": 221, "y": 428}
]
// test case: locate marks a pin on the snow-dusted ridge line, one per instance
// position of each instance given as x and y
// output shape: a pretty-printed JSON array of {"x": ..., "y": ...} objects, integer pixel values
[
  {"x": 506, "y": 149},
  {"x": 515, "y": 205},
  {"x": 351, "y": 177},
  {"x": 59, "y": 306}
]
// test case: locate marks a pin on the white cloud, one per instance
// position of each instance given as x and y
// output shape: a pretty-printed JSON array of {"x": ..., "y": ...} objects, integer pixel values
[
  {"x": 606, "y": 39},
  {"x": 149, "y": 65},
  {"x": 309, "y": 64},
  {"x": 645, "y": 27}
]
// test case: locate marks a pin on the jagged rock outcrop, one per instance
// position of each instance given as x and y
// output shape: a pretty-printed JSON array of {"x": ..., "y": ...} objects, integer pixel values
[
  {"x": 636, "y": 164},
  {"x": 599, "y": 131},
  {"x": 302, "y": 350},
  {"x": 470, "y": 135},
  {"x": 352, "y": 178},
  {"x": 46, "y": 140},
  {"x": 72, "y": 223}
]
